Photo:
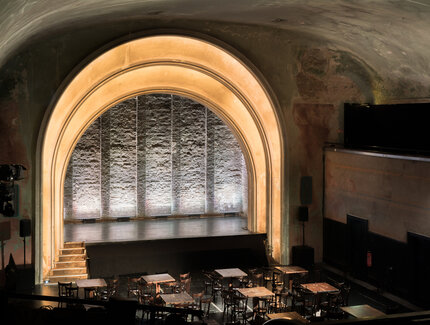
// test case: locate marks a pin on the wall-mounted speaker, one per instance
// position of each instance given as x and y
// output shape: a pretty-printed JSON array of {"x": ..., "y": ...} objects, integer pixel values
[
  {"x": 303, "y": 214},
  {"x": 306, "y": 190},
  {"x": 25, "y": 227}
]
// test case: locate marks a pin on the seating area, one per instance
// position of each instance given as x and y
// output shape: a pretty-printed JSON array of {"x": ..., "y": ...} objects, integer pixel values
[{"x": 227, "y": 296}]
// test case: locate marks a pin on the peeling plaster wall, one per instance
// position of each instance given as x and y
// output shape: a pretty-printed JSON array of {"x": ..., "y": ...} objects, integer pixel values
[
  {"x": 162, "y": 155},
  {"x": 311, "y": 77}
]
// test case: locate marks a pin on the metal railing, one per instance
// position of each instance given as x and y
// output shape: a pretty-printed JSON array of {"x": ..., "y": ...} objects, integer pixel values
[{"x": 114, "y": 307}]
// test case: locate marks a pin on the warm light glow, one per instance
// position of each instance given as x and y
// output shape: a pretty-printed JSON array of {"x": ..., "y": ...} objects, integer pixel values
[
  {"x": 227, "y": 198},
  {"x": 172, "y": 64}
]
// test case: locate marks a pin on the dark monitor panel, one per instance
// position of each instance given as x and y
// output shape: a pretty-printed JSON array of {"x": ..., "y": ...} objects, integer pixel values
[{"x": 401, "y": 128}]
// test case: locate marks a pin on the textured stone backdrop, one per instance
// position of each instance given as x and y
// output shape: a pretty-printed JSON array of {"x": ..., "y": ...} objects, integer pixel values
[{"x": 155, "y": 155}]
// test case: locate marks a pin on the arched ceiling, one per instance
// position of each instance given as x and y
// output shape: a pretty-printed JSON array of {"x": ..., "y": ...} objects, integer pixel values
[{"x": 390, "y": 35}]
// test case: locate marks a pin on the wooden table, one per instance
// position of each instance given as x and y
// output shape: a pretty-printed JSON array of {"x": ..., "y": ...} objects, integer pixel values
[
  {"x": 176, "y": 298},
  {"x": 255, "y": 292},
  {"x": 231, "y": 273},
  {"x": 157, "y": 279},
  {"x": 290, "y": 270},
  {"x": 90, "y": 283},
  {"x": 319, "y": 287},
  {"x": 289, "y": 315},
  {"x": 362, "y": 311}
]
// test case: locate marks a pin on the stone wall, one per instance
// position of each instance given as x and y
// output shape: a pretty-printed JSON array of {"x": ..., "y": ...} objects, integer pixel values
[{"x": 156, "y": 155}]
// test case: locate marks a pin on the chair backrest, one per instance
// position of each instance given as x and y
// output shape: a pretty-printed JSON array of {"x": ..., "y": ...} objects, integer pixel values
[
  {"x": 257, "y": 279},
  {"x": 90, "y": 293},
  {"x": 72, "y": 292},
  {"x": 344, "y": 290},
  {"x": 63, "y": 289},
  {"x": 241, "y": 303},
  {"x": 261, "y": 303},
  {"x": 198, "y": 298},
  {"x": 207, "y": 301},
  {"x": 186, "y": 284},
  {"x": 133, "y": 283},
  {"x": 184, "y": 276},
  {"x": 112, "y": 287}
]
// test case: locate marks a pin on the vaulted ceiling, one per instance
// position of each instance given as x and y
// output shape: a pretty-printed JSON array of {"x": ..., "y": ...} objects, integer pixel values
[{"x": 392, "y": 35}]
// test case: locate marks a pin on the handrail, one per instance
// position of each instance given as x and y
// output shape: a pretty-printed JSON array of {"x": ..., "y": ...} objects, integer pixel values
[
  {"x": 152, "y": 309},
  {"x": 416, "y": 318}
]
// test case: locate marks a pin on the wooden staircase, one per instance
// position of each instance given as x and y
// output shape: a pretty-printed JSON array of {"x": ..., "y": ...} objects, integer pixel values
[{"x": 71, "y": 264}]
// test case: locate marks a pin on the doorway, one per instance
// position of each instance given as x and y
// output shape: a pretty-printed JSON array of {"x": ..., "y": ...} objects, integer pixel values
[{"x": 357, "y": 230}]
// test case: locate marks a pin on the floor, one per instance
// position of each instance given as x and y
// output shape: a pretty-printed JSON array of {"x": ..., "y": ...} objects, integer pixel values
[
  {"x": 155, "y": 229},
  {"x": 359, "y": 295}
]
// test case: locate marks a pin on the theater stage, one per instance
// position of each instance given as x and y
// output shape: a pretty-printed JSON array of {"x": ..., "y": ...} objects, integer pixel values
[{"x": 175, "y": 245}]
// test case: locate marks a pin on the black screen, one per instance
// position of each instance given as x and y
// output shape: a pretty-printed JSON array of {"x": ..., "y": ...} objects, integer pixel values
[{"x": 395, "y": 128}]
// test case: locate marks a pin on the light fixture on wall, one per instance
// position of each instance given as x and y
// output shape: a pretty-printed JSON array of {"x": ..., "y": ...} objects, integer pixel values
[{"x": 9, "y": 174}]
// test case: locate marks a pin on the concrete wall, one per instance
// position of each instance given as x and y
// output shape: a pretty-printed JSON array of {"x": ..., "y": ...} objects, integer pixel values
[
  {"x": 155, "y": 155},
  {"x": 393, "y": 194},
  {"x": 310, "y": 78}
]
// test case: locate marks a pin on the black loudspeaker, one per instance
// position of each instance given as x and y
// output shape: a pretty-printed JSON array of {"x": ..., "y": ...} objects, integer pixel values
[
  {"x": 303, "y": 256},
  {"x": 25, "y": 227},
  {"x": 306, "y": 190},
  {"x": 303, "y": 214}
]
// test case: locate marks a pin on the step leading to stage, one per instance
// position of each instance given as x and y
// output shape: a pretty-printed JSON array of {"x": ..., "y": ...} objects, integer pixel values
[{"x": 71, "y": 264}]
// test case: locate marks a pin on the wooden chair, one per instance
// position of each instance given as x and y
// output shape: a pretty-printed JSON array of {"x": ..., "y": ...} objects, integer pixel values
[
  {"x": 206, "y": 305},
  {"x": 90, "y": 293},
  {"x": 304, "y": 302},
  {"x": 280, "y": 302},
  {"x": 278, "y": 281},
  {"x": 184, "y": 276},
  {"x": 239, "y": 309},
  {"x": 73, "y": 292},
  {"x": 110, "y": 290},
  {"x": 197, "y": 305},
  {"x": 64, "y": 290},
  {"x": 158, "y": 301},
  {"x": 260, "y": 308},
  {"x": 267, "y": 276},
  {"x": 243, "y": 281},
  {"x": 186, "y": 285},
  {"x": 227, "y": 299},
  {"x": 344, "y": 290},
  {"x": 216, "y": 286},
  {"x": 112, "y": 287},
  {"x": 133, "y": 287},
  {"x": 208, "y": 280},
  {"x": 257, "y": 280},
  {"x": 146, "y": 292}
]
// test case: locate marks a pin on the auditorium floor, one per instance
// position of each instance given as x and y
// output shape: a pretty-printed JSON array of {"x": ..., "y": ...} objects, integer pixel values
[{"x": 155, "y": 229}]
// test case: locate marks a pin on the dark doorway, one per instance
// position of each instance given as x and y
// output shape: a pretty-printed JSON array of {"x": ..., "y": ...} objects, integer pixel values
[
  {"x": 419, "y": 252},
  {"x": 357, "y": 229}
]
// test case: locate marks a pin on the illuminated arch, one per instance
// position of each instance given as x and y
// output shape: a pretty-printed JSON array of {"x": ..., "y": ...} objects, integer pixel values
[{"x": 174, "y": 64}]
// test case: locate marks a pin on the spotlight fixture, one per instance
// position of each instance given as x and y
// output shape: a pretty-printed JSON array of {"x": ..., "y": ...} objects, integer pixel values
[{"x": 9, "y": 174}]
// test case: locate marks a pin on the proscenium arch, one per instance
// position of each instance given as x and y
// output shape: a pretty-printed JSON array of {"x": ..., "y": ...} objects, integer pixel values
[{"x": 185, "y": 66}]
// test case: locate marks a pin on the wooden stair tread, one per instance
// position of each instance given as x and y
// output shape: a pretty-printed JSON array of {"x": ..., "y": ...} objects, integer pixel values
[{"x": 71, "y": 264}]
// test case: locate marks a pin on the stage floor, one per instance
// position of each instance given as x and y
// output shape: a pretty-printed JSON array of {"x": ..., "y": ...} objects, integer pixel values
[{"x": 142, "y": 230}]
